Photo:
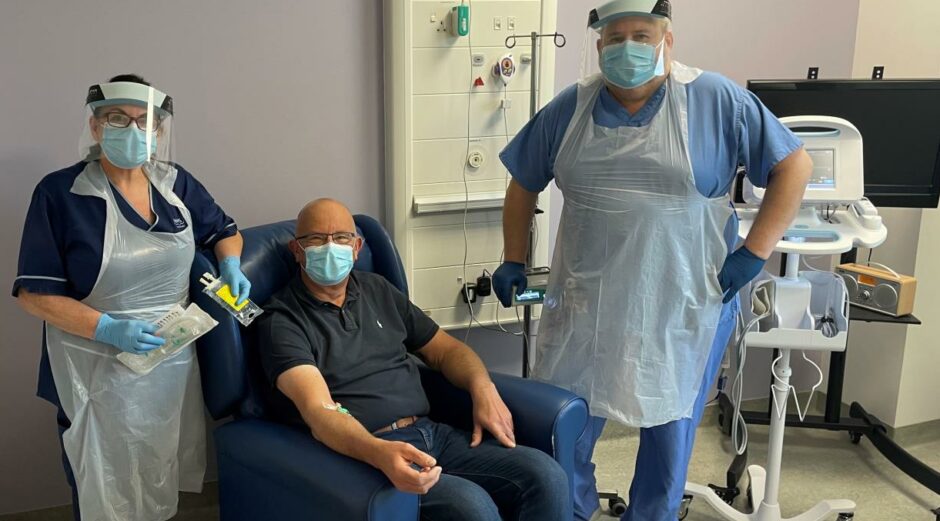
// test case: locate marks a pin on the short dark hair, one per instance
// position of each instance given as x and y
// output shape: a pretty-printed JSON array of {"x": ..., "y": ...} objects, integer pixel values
[{"x": 131, "y": 78}]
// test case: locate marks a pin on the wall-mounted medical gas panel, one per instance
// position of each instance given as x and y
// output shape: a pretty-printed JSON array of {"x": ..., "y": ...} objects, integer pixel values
[{"x": 454, "y": 96}]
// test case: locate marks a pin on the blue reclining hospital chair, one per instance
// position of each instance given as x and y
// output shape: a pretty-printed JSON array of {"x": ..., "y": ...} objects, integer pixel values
[{"x": 271, "y": 471}]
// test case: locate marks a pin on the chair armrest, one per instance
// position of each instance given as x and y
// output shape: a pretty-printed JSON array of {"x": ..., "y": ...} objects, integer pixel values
[
  {"x": 542, "y": 414},
  {"x": 546, "y": 417},
  {"x": 272, "y": 471},
  {"x": 221, "y": 359}
]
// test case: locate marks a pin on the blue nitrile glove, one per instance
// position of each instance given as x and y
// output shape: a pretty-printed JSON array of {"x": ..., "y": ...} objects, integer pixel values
[
  {"x": 131, "y": 336},
  {"x": 230, "y": 268},
  {"x": 740, "y": 268},
  {"x": 509, "y": 274}
]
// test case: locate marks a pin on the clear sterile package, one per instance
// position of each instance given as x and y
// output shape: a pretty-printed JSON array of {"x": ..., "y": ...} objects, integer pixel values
[
  {"x": 218, "y": 291},
  {"x": 179, "y": 327}
]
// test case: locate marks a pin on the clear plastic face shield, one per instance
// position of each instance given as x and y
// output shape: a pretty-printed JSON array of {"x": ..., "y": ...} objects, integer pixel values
[
  {"x": 129, "y": 125},
  {"x": 628, "y": 48}
]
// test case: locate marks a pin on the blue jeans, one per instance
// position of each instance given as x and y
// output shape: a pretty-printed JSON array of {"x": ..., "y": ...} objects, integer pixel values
[
  {"x": 489, "y": 482},
  {"x": 662, "y": 460}
]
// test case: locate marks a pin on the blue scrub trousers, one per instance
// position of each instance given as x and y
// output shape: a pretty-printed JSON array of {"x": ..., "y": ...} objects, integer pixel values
[{"x": 662, "y": 460}]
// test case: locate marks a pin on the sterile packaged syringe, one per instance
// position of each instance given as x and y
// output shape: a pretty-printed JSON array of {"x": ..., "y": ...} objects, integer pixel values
[
  {"x": 180, "y": 328},
  {"x": 245, "y": 312}
]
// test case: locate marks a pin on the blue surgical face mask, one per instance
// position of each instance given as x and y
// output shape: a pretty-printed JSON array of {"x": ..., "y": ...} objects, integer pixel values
[
  {"x": 632, "y": 64},
  {"x": 127, "y": 147},
  {"x": 329, "y": 264}
]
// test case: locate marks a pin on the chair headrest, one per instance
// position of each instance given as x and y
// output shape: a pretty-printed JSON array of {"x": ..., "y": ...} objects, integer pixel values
[{"x": 227, "y": 354}]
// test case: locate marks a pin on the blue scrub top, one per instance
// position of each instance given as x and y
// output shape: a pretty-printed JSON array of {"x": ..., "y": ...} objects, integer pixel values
[
  {"x": 61, "y": 249},
  {"x": 728, "y": 127}
]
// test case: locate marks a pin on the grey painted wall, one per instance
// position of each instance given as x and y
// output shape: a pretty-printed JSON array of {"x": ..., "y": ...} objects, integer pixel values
[
  {"x": 742, "y": 39},
  {"x": 278, "y": 103}
]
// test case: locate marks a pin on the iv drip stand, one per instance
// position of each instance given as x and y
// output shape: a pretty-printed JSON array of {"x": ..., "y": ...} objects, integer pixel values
[{"x": 559, "y": 41}]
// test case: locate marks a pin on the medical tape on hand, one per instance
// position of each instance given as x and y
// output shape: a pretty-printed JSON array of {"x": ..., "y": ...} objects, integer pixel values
[{"x": 338, "y": 407}]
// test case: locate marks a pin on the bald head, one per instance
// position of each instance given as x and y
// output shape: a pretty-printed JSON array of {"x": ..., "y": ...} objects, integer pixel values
[{"x": 324, "y": 216}]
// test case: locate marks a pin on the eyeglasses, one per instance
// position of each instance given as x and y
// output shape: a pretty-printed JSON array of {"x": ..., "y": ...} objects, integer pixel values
[
  {"x": 122, "y": 120},
  {"x": 319, "y": 239}
]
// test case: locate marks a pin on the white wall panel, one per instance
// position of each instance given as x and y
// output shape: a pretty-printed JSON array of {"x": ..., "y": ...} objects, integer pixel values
[
  {"x": 443, "y": 160},
  {"x": 484, "y": 313},
  {"x": 437, "y": 289},
  {"x": 444, "y": 116},
  {"x": 439, "y": 70},
  {"x": 436, "y": 115},
  {"x": 428, "y": 20},
  {"x": 443, "y": 245}
]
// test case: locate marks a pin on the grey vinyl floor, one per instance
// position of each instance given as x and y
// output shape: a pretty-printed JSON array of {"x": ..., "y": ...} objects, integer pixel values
[{"x": 816, "y": 465}]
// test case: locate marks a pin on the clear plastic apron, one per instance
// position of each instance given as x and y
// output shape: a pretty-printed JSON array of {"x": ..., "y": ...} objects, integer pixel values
[
  {"x": 134, "y": 441},
  {"x": 633, "y": 300}
]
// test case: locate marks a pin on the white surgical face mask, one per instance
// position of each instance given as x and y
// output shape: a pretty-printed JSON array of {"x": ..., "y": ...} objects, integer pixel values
[
  {"x": 330, "y": 263},
  {"x": 630, "y": 64}
]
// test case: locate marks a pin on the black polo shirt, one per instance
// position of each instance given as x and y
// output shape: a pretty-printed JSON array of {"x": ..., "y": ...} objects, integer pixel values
[{"x": 361, "y": 349}]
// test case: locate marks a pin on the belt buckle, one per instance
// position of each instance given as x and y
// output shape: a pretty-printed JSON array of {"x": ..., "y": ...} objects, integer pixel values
[
  {"x": 411, "y": 421},
  {"x": 394, "y": 426}
]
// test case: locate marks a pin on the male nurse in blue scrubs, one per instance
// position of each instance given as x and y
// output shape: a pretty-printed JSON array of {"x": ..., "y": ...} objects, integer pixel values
[{"x": 642, "y": 296}]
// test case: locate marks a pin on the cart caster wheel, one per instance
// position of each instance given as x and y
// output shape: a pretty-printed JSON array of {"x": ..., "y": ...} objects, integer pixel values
[
  {"x": 846, "y": 516},
  {"x": 728, "y": 496},
  {"x": 684, "y": 507},
  {"x": 617, "y": 506},
  {"x": 725, "y": 494},
  {"x": 856, "y": 437}
]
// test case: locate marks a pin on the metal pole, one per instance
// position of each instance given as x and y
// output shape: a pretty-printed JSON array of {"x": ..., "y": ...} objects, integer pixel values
[
  {"x": 526, "y": 329},
  {"x": 778, "y": 422},
  {"x": 780, "y": 391},
  {"x": 559, "y": 41},
  {"x": 833, "y": 412},
  {"x": 533, "y": 73},
  {"x": 527, "y": 310}
]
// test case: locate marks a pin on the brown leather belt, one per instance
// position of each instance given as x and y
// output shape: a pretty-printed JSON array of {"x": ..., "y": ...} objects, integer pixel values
[{"x": 398, "y": 424}]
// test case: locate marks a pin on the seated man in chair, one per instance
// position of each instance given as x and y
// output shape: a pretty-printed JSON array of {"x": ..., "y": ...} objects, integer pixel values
[{"x": 335, "y": 342}]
